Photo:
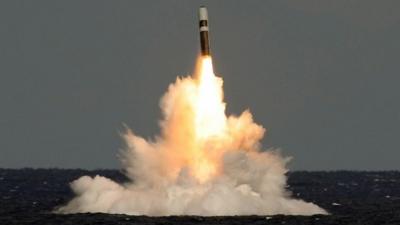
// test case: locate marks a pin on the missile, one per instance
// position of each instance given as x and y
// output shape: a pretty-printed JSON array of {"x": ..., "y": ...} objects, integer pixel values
[{"x": 203, "y": 25}]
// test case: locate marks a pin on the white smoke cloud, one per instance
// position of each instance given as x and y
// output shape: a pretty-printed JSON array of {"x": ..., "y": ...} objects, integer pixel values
[{"x": 179, "y": 173}]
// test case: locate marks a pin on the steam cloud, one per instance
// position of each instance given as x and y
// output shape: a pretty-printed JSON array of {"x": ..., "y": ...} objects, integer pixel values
[{"x": 202, "y": 163}]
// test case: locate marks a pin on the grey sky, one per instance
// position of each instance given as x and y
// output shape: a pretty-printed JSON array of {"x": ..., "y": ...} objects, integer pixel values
[{"x": 321, "y": 76}]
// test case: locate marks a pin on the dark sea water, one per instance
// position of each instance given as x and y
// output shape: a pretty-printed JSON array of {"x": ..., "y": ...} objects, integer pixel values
[{"x": 28, "y": 196}]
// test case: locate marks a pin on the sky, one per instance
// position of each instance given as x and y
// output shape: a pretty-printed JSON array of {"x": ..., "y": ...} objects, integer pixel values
[{"x": 321, "y": 76}]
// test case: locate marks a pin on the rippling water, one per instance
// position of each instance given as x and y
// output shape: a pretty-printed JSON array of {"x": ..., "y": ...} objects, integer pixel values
[{"x": 27, "y": 196}]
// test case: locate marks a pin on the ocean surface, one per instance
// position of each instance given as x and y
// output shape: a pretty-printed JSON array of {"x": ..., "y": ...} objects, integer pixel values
[{"x": 28, "y": 196}]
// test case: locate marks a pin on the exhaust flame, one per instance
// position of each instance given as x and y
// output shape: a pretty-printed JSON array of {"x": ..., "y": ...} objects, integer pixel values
[
  {"x": 210, "y": 119},
  {"x": 209, "y": 109},
  {"x": 203, "y": 163}
]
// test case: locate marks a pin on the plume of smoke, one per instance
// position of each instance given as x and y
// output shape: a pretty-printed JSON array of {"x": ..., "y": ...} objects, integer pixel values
[{"x": 179, "y": 173}]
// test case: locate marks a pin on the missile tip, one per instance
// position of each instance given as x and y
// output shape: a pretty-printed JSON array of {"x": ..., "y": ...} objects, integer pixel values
[{"x": 203, "y": 15}]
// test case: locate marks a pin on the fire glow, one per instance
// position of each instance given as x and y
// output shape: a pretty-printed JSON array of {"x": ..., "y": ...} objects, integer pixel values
[{"x": 202, "y": 163}]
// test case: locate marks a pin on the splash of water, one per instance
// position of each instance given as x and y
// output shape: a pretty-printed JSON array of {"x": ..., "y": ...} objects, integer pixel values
[{"x": 203, "y": 163}]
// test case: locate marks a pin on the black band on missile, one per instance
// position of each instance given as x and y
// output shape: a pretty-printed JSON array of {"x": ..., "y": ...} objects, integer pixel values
[{"x": 203, "y": 23}]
